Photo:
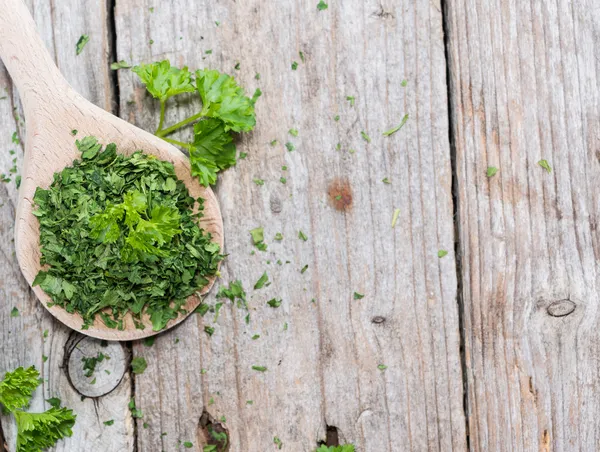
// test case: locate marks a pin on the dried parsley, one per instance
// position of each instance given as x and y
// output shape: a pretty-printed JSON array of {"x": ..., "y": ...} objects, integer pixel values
[{"x": 119, "y": 236}]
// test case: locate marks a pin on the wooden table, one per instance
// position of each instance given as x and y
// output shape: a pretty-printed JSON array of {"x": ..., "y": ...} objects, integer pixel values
[{"x": 494, "y": 346}]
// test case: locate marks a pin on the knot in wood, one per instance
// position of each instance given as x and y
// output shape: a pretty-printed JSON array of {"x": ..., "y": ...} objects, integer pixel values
[
  {"x": 561, "y": 308},
  {"x": 378, "y": 319},
  {"x": 95, "y": 367},
  {"x": 275, "y": 204}
]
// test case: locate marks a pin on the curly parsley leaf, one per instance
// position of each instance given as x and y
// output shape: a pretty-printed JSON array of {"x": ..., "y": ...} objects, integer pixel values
[
  {"x": 17, "y": 386},
  {"x": 163, "y": 81},
  {"x": 37, "y": 431}
]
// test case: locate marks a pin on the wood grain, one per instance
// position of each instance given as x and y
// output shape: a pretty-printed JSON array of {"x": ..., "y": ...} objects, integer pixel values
[
  {"x": 22, "y": 338},
  {"x": 525, "y": 87},
  {"x": 322, "y": 369}
]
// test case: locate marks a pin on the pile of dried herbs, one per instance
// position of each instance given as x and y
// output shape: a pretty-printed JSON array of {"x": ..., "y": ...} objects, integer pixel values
[{"x": 119, "y": 235}]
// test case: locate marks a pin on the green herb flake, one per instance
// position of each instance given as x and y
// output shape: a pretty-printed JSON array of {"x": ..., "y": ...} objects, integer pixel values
[
  {"x": 14, "y": 312},
  {"x": 491, "y": 171},
  {"x": 301, "y": 54},
  {"x": 386, "y": 180},
  {"x": 237, "y": 66},
  {"x": 257, "y": 76},
  {"x": 122, "y": 64},
  {"x": 274, "y": 302},
  {"x": 382, "y": 367},
  {"x": 293, "y": 132},
  {"x": 135, "y": 413},
  {"x": 151, "y": 9},
  {"x": 294, "y": 65},
  {"x": 256, "y": 336},
  {"x": 304, "y": 269},
  {"x": 277, "y": 442},
  {"x": 149, "y": 341},
  {"x": 336, "y": 118},
  {"x": 365, "y": 137},
  {"x": 209, "y": 330},
  {"x": 54, "y": 402},
  {"x": 44, "y": 358},
  {"x": 208, "y": 52},
  {"x": 109, "y": 423},
  {"x": 395, "y": 217},
  {"x": 45, "y": 334},
  {"x": 249, "y": 402},
  {"x": 259, "y": 368},
  {"x": 264, "y": 279},
  {"x": 393, "y": 130},
  {"x": 283, "y": 180},
  {"x": 544, "y": 164},
  {"x": 138, "y": 365},
  {"x": 351, "y": 99},
  {"x": 273, "y": 142},
  {"x": 321, "y": 6},
  {"x": 278, "y": 236},
  {"x": 403, "y": 83},
  {"x": 290, "y": 146},
  {"x": 442, "y": 253},
  {"x": 302, "y": 236},
  {"x": 188, "y": 445},
  {"x": 285, "y": 326},
  {"x": 74, "y": 132},
  {"x": 284, "y": 168},
  {"x": 358, "y": 296},
  {"x": 15, "y": 139},
  {"x": 258, "y": 181},
  {"x": 151, "y": 42},
  {"x": 83, "y": 40}
]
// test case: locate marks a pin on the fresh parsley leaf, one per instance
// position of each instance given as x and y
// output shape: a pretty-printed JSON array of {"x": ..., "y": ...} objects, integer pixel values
[
  {"x": 294, "y": 65},
  {"x": 138, "y": 365},
  {"x": 234, "y": 292},
  {"x": 17, "y": 386},
  {"x": 365, "y": 136},
  {"x": 278, "y": 236},
  {"x": 302, "y": 236},
  {"x": 290, "y": 146},
  {"x": 293, "y": 132},
  {"x": 304, "y": 269},
  {"x": 322, "y": 5},
  {"x": 188, "y": 445},
  {"x": 163, "y": 81},
  {"x": 382, "y": 367},
  {"x": 442, "y": 253},
  {"x": 258, "y": 238},
  {"x": 258, "y": 181},
  {"x": 404, "y": 83},
  {"x": 277, "y": 442},
  {"x": 259, "y": 368},
  {"x": 110, "y": 422},
  {"x": 211, "y": 151},
  {"x": 358, "y": 296},
  {"x": 122, "y": 64},
  {"x": 37, "y": 431},
  {"x": 256, "y": 336},
  {"x": 491, "y": 171},
  {"x": 83, "y": 40},
  {"x": 264, "y": 279},
  {"x": 209, "y": 330},
  {"x": 273, "y": 142},
  {"x": 386, "y": 180},
  {"x": 343, "y": 448},
  {"x": 544, "y": 164},
  {"x": 135, "y": 413},
  {"x": 393, "y": 130},
  {"x": 14, "y": 312},
  {"x": 283, "y": 180},
  {"x": 15, "y": 140}
]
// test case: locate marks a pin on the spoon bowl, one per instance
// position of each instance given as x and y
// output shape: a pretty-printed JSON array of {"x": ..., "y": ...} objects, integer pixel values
[{"x": 52, "y": 111}]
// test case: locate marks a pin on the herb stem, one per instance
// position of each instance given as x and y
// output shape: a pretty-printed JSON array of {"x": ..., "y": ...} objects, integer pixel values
[
  {"x": 162, "y": 117},
  {"x": 177, "y": 143},
  {"x": 164, "y": 132}
]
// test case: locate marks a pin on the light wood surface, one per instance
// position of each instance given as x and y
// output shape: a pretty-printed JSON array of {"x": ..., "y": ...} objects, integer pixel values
[
  {"x": 52, "y": 110},
  {"x": 525, "y": 87}
]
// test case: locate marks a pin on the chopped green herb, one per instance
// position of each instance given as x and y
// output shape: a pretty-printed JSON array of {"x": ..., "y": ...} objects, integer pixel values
[
  {"x": 188, "y": 445},
  {"x": 122, "y": 64},
  {"x": 256, "y": 336},
  {"x": 284, "y": 168},
  {"x": 74, "y": 132},
  {"x": 151, "y": 9},
  {"x": 257, "y": 76},
  {"x": 138, "y": 365},
  {"x": 217, "y": 23},
  {"x": 151, "y": 42},
  {"x": 338, "y": 198},
  {"x": 259, "y": 368},
  {"x": 351, "y": 99},
  {"x": 14, "y": 312},
  {"x": 277, "y": 442},
  {"x": 111, "y": 422},
  {"x": 386, "y": 180},
  {"x": 365, "y": 136},
  {"x": 274, "y": 302},
  {"x": 290, "y": 146},
  {"x": 264, "y": 279},
  {"x": 301, "y": 55},
  {"x": 135, "y": 413},
  {"x": 243, "y": 155},
  {"x": 491, "y": 171},
  {"x": 273, "y": 142},
  {"x": 15, "y": 139},
  {"x": 285, "y": 326},
  {"x": 117, "y": 212},
  {"x": 442, "y": 253},
  {"x": 302, "y": 236},
  {"x": 93, "y": 382},
  {"x": 234, "y": 292},
  {"x": 293, "y": 132},
  {"x": 237, "y": 66},
  {"x": 45, "y": 334},
  {"x": 338, "y": 147},
  {"x": 393, "y": 130},
  {"x": 18, "y": 181},
  {"x": 395, "y": 217},
  {"x": 203, "y": 371},
  {"x": 83, "y": 40},
  {"x": 209, "y": 330},
  {"x": 304, "y": 269},
  {"x": 208, "y": 52},
  {"x": 294, "y": 65},
  {"x": 351, "y": 151},
  {"x": 249, "y": 402},
  {"x": 544, "y": 164},
  {"x": 283, "y": 180},
  {"x": 358, "y": 296},
  {"x": 44, "y": 358},
  {"x": 336, "y": 118},
  {"x": 322, "y": 5},
  {"x": 382, "y": 367},
  {"x": 258, "y": 181},
  {"x": 404, "y": 82},
  {"x": 149, "y": 341}
]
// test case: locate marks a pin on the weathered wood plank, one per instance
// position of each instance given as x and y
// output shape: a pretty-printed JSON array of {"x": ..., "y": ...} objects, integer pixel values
[
  {"x": 525, "y": 87},
  {"x": 322, "y": 369},
  {"x": 22, "y": 338}
]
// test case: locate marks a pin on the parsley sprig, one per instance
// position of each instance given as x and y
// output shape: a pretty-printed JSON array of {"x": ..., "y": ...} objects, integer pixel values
[{"x": 225, "y": 110}]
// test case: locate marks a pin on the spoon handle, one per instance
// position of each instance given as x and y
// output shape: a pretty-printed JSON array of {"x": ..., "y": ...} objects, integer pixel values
[{"x": 31, "y": 67}]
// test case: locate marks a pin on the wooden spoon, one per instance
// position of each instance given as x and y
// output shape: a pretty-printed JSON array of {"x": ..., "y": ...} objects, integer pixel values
[{"x": 52, "y": 110}]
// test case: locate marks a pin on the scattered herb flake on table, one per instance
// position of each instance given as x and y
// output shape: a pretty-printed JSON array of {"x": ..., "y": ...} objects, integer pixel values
[
  {"x": 264, "y": 279},
  {"x": 491, "y": 171},
  {"x": 302, "y": 236},
  {"x": 259, "y": 368},
  {"x": 301, "y": 54},
  {"x": 274, "y": 302},
  {"x": 83, "y": 40},
  {"x": 258, "y": 181},
  {"x": 382, "y": 367},
  {"x": 358, "y": 296},
  {"x": 278, "y": 236},
  {"x": 393, "y": 130},
  {"x": 290, "y": 146},
  {"x": 283, "y": 180},
  {"x": 293, "y": 132},
  {"x": 366, "y": 137},
  {"x": 138, "y": 365},
  {"x": 122, "y": 64},
  {"x": 336, "y": 118},
  {"x": 110, "y": 422},
  {"x": 386, "y": 180},
  {"x": 14, "y": 312},
  {"x": 351, "y": 99},
  {"x": 277, "y": 442},
  {"x": 442, "y": 253},
  {"x": 395, "y": 217},
  {"x": 294, "y": 65},
  {"x": 544, "y": 164},
  {"x": 321, "y": 6}
]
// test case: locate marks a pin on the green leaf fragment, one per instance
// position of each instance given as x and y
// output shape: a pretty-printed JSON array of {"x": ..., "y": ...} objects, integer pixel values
[
  {"x": 321, "y": 6},
  {"x": 302, "y": 236},
  {"x": 395, "y": 217},
  {"x": 393, "y": 130},
  {"x": 358, "y": 296},
  {"x": 122, "y": 64},
  {"x": 274, "y": 302},
  {"x": 259, "y": 368},
  {"x": 491, "y": 171},
  {"x": 83, "y": 40},
  {"x": 14, "y": 312},
  {"x": 264, "y": 279},
  {"x": 365, "y": 137},
  {"x": 138, "y": 365},
  {"x": 544, "y": 164},
  {"x": 442, "y": 253},
  {"x": 290, "y": 146}
]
